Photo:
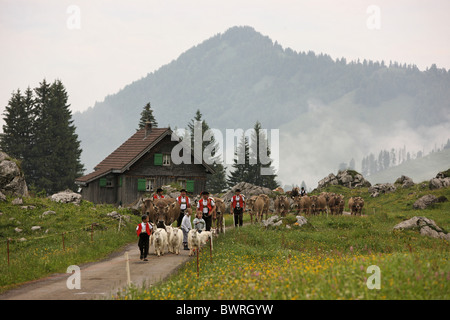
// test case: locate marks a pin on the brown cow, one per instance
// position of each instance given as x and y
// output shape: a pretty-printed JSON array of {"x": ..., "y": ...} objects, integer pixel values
[
  {"x": 296, "y": 204},
  {"x": 167, "y": 211},
  {"x": 149, "y": 209},
  {"x": 219, "y": 214},
  {"x": 333, "y": 204},
  {"x": 258, "y": 208},
  {"x": 281, "y": 205},
  {"x": 356, "y": 205},
  {"x": 266, "y": 199},
  {"x": 249, "y": 206},
  {"x": 295, "y": 192},
  {"x": 305, "y": 204},
  {"x": 318, "y": 204},
  {"x": 341, "y": 204}
]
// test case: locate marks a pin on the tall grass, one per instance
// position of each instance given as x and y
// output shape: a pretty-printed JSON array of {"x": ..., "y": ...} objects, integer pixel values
[
  {"x": 89, "y": 235},
  {"x": 326, "y": 259}
]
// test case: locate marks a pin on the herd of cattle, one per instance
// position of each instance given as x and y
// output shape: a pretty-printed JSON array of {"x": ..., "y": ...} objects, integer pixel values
[
  {"x": 163, "y": 212},
  {"x": 326, "y": 202}
]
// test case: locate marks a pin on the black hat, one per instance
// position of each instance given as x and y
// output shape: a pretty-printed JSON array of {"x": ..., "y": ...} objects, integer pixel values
[
  {"x": 205, "y": 192},
  {"x": 183, "y": 190},
  {"x": 159, "y": 190},
  {"x": 237, "y": 190}
]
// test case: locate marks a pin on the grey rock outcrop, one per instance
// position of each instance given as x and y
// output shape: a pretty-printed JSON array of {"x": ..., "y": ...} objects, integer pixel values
[
  {"x": 247, "y": 189},
  {"x": 426, "y": 227},
  {"x": 273, "y": 221},
  {"x": 405, "y": 182},
  {"x": 346, "y": 178},
  {"x": 425, "y": 201},
  {"x": 381, "y": 188},
  {"x": 301, "y": 220},
  {"x": 437, "y": 183},
  {"x": 12, "y": 180},
  {"x": 67, "y": 196},
  {"x": 441, "y": 180},
  {"x": 118, "y": 216}
]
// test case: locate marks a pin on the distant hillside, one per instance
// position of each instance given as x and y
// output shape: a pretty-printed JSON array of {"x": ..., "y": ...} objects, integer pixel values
[
  {"x": 422, "y": 169},
  {"x": 328, "y": 111}
]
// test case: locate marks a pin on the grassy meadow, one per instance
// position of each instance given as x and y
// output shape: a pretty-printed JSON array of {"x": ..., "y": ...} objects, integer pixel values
[
  {"x": 89, "y": 235},
  {"x": 325, "y": 259}
]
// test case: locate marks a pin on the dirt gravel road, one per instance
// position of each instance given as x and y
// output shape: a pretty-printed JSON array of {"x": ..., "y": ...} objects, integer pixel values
[{"x": 100, "y": 280}]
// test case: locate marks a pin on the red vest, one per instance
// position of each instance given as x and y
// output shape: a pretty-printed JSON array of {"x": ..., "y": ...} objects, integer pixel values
[
  {"x": 188, "y": 202},
  {"x": 147, "y": 227},
  {"x": 208, "y": 204},
  {"x": 156, "y": 196},
  {"x": 241, "y": 201}
]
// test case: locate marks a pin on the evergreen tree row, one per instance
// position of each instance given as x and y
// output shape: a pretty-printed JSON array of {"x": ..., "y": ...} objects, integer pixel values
[
  {"x": 39, "y": 131},
  {"x": 244, "y": 170},
  {"x": 248, "y": 166}
]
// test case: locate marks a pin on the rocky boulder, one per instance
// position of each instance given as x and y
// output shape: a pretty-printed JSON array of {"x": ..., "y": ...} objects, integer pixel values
[
  {"x": 273, "y": 221},
  {"x": 441, "y": 180},
  {"x": 426, "y": 227},
  {"x": 346, "y": 178},
  {"x": 437, "y": 183},
  {"x": 67, "y": 196},
  {"x": 381, "y": 188},
  {"x": 170, "y": 191},
  {"x": 301, "y": 220},
  {"x": 247, "y": 189},
  {"x": 425, "y": 201},
  {"x": 12, "y": 180},
  {"x": 118, "y": 216},
  {"x": 405, "y": 182}
]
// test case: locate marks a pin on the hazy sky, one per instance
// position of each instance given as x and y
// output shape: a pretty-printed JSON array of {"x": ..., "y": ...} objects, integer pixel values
[{"x": 96, "y": 47}]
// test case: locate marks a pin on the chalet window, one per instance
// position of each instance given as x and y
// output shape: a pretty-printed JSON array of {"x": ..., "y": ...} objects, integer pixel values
[
  {"x": 150, "y": 185},
  {"x": 166, "y": 160},
  {"x": 158, "y": 159},
  {"x": 182, "y": 183},
  {"x": 106, "y": 183}
]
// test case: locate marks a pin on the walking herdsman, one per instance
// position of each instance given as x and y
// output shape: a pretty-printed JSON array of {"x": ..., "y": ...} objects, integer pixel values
[
  {"x": 158, "y": 194},
  {"x": 185, "y": 204},
  {"x": 207, "y": 207},
  {"x": 238, "y": 207}
]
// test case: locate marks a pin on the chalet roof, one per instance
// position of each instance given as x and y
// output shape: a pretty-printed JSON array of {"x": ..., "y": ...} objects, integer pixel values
[{"x": 128, "y": 153}]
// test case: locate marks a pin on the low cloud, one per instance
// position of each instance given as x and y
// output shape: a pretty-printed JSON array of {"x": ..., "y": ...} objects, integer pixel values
[{"x": 313, "y": 145}]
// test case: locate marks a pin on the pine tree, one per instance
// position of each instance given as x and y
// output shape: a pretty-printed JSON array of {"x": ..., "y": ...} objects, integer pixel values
[
  {"x": 257, "y": 165},
  {"x": 39, "y": 131},
  {"x": 17, "y": 138},
  {"x": 56, "y": 148},
  {"x": 241, "y": 167},
  {"x": 216, "y": 182},
  {"x": 147, "y": 115},
  {"x": 248, "y": 166},
  {"x": 12, "y": 139}
]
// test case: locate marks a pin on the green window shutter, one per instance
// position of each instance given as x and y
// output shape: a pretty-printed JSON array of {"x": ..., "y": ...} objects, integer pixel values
[
  {"x": 158, "y": 160},
  {"x": 120, "y": 181},
  {"x": 102, "y": 182},
  {"x": 141, "y": 184},
  {"x": 190, "y": 185}
]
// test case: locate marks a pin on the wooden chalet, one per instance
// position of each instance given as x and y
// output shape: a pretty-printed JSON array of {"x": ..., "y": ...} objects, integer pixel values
[{"x": 140, "y": 166}]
